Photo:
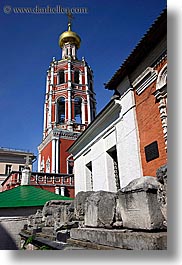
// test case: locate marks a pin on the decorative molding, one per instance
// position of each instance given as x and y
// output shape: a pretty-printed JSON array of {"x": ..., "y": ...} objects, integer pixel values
[
  {"x": 45, "y": 141},
  {"x": 162, "y": 78},
  {"x": 161, "y": 96},
  {"x": 144, "y": 80},
  {"x": 55, "y": 134},
  {"x": 69, "y": 135}
]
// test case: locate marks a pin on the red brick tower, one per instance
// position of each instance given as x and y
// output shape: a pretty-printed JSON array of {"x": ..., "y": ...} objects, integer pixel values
[{"x": 69, "y": 105}]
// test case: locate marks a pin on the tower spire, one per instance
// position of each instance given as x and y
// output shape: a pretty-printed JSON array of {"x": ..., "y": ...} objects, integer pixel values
[
  {"x": 70, "y": 18},
  {"x": 69, "y": 41}
]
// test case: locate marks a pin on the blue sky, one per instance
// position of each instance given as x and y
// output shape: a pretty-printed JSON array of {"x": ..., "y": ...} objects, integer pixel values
[{"x": 109, "y": 32}]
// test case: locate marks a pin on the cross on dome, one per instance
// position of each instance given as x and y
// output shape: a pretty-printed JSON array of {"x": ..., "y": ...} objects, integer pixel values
[{"x": 70, "y": 18}]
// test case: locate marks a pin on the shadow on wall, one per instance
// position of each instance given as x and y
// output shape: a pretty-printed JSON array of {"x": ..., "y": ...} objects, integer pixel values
[{"x": 6, "y": 241}]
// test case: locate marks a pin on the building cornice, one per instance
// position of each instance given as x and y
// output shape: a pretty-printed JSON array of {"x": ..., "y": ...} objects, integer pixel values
[{"x": 144, "y": 80}]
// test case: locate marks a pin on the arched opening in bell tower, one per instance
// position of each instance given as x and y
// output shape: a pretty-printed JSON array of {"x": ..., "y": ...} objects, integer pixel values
[
  {"x": 61, "y": 110},
  {"x": 77, "y": 77},
  {"x": 78, "y": 109},
  {"x": 61, "y": 77}
]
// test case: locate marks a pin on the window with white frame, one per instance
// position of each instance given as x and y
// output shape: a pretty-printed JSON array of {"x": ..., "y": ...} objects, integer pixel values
[{"x": 61, "y": 110}]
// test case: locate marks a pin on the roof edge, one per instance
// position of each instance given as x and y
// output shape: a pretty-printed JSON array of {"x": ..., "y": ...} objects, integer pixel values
[{"x": 130, "y": 61}]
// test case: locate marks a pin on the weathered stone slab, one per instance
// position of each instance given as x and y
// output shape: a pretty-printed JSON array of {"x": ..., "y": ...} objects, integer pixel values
[
  {"x": 139, "y": 205},
  {"x": 123, "y": 239},
  {"x": 48, "y": 231},
  {"x": 79, "y": 204},
  {"x": 56, "y": 213},
  {"x": 100, "y": 209},
  {"x": 36, "y": 219}
]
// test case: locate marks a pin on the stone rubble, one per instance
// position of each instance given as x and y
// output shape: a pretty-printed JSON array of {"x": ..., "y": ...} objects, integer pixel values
[{"x": 138, "y": 212}]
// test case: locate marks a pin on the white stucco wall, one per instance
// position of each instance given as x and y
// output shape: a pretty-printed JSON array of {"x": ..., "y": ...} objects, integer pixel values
[
  {"x": 98, "y": 166},
  {"x": 120, "y": 132},
  {"x": 128, "y": 142},
  {"x": 80, "y": 180}
]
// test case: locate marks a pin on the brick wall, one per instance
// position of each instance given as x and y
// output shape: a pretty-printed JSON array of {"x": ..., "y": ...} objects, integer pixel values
[{"x": 150, "y": 127}]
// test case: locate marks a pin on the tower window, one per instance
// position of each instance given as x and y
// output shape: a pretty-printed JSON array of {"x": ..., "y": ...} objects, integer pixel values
[
  {"x": 61, "y": 78},
  {"x": 78, "y": 109},
  {"x": 76, "y": 77},
  {"x": 61, "y": 110}
]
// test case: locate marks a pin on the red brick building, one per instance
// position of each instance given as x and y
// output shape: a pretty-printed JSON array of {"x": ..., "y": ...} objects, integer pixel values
[{"x": 146, "y": 72}]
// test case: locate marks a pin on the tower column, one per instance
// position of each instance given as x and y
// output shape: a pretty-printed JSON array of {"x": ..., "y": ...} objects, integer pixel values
[
  {"x": 45, "y": 106},
  {"x": 69, "y": 104},
  {"x": 55, "y": 113},
  {"x": 50, "y": 112},
  {"x": 88, "y": 107},
  {"x": 69, "y": 92},
  {"x": 50, "y": 98},
  {"x": 57, "y": 155},
  {"x": 53, "y": 169},
  {"x": 69, "y": 73},
  {"x": 88, "y": 95},
  {"x": 39, "y": 162},
  {"x": 83, "y": 111}
]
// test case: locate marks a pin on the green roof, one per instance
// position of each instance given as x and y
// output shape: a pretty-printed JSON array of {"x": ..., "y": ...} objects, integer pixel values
[{"x": 26, "y": 196}]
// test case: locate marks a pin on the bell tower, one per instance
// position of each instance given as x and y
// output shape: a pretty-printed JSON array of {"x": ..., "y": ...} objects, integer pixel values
[{"x": 69, "y": 105}]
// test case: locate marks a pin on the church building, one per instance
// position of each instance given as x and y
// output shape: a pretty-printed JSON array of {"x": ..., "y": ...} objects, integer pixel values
[
  {"x": 128, "y": 138},
  {"x": 69, "y": 105}
]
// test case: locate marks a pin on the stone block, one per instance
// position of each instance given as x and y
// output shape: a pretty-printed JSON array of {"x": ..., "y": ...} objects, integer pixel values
[
  {"x": 79, "y": 204},
  {"x": 56, "y": 213},
  {"x": 121, "y": 238},
  {"x": 62, "y": 236},
  {"x": 49, "y": 221},
  {"x": 49, "y": 231},
  {"x": 35, "y": 219},
  {"x": 139, "y": 205},
  {"x": 100, "y": 209}
]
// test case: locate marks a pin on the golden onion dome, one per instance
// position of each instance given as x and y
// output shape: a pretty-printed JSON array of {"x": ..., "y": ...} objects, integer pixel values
[{"x": 69, "y": 36}]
